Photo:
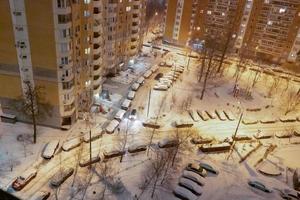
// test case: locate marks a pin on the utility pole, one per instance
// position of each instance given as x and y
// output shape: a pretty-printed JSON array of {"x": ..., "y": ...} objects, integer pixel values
[
  {"x": 234, "y": 135},
  {"x": 149, "y": 102}
]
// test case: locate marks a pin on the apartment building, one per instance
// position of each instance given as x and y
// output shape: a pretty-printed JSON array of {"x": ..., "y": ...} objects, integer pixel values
[{"x": 66, "y": 47}]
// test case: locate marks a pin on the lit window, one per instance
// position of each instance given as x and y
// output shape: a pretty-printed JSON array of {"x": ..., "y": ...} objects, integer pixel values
[
  {"x": 282, "y": 10},
  {"x": 86, "y": 13},
  {"x": 128, "y": 8},
  {"x": 270, "y": 22},
  {"x": 223, "y": 14},
  {"x": 209, "y": 12},
  {"x": 198, "y": 28},
  {"x": 87, "y": 50},
  {"x": 87, "y": 1}
]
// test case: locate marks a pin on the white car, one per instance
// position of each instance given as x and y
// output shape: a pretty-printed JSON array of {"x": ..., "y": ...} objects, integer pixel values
[
  {"x": 267, "y": 120},
  {"x": 166, "y": 83},
  {"x": 134, "y": 148},
  {"x": 190, "y": 185},
  {"x": 194, "y": 115},
  {"x": 131, "y": 95},
  {"x": 141, "y": 80},
  {"x": 87, "y": 161},
  {"x": 60, "y": 176},
  {"x": 120, "y": 115},
  {"x": 160, "y": 87},
  {"x": 95, "y": 134},
  {"x": 50, "y": 149},
  {"x": 40, "y": 195},
  {"x": 203, "y": 115},
  {"x": 154, "y": 68},
  {"x": 148, "y": 74},
  {"x": 194, "y": 177},
  {"x": 112, "y": 126},
  {"x": 126, "y": 104},
  {"x": 71, "y": 144},
  {"x": 183, "y": 193},
  {"x": 135, "y": 86}
]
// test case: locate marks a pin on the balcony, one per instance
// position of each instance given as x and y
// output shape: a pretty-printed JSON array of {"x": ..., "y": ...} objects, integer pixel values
[
  {"x": 68, "y": 112},
  {"x": 97, "y": 13},
  {"x": 70, "y": 100},
  {"x": 97, "y": 39},
  {"x": 97, "y": 28},
  {"x": 97, "y": 60},
  {"x": 97, "y": 70},
  {"x": 97, "y": 80},
  {"x": 64, "y": 78},
  {"x": 97, "y": 49},
  {"x": 97, "y": 89}
]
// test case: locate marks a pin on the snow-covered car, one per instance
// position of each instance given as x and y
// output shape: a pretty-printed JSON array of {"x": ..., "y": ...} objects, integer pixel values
[
  {"x": 268, "y": 120},
  {"x": 221, "y": 147},
  {"x": 221, "y": 115},
  {"x": 160, "y": 87},
  {"x": 194, "y": 115},
  {"x": 71, "y": 144},
  {"x": 167, "y": 143},
  {"x": 229, "y": 115},
  {"x": 120, "y": 115},
  {"x": 147, "y": 74},
  {"x": 183, "y": 124},
  {"x": 297, "y": 133},
  {"x": 190, "y": 185},
  {"x": 21, "y": 181},
  {"x": 289, "y": 194},
  {"x": 60, "y": 176},
  {"x": 137, "y": 148},
  {"x": 263, "y": 135},
  {"x": 208, "y": 168},
  {"x": 162, "y": 64},
  {"x": 50, "y": 149},
  {"x": 95, "y": 134},
  {"x": 154, "y": 68},
  {"x": 135, "y": 86},
  {"x": 126, "y": 104},
  {"x": 131, "y": 95},
  {"x": 194, "y": 177},
  {"x": 165, "y": 83},
  {"x": 203, "y": 115},
  {"x": 40, "y": 195},
  {"x": 195, "y": 167},
  {"x": 169, "y": 63},
  {"x": 177, "y": 69},
  {"x": 241, "y": 137},
  {"x": 87, "y": 161},
  {"x": 184, "y": 194},
  {"x": 151, "y": 124},
  {"x": 113, "y": 153},
  {"x": 211, "y": 114},
  {"x": 113, "y": 124},
  {"x": 287, "y": 119},
  {"x": 201, "y": 140},
  {"x": 141, "y": 80},
  {"x": 284, "y": 134},
  {"x": 163, "y": 79},
  {"x": 170, "y": 77},
  {"x": 259, "y": 185}
]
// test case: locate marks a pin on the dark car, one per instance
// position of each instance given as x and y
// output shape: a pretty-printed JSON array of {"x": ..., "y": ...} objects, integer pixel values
[
  {"x": 195, "y": 167},
  {"x": 208, "y": 168},
  {"x": 158, "y": 76},
  {"x": 259, "y": 185},
  {"x": 60, "y": 176},
  {"x": 21, "y": 181}
]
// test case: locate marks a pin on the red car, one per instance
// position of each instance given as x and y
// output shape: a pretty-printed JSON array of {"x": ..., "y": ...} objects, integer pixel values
[{"x": 24, "y": 179}]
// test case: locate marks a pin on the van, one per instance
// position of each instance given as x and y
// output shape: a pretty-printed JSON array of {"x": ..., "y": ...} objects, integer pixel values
[
  {"x": 126, "y": 104},
  {"x": 112, "y": 126},
  {"x": 131, "y": 95},
  {"x": 120, "y": 114}
]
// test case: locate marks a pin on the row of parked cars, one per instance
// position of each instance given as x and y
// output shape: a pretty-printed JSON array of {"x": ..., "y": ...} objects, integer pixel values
[
  {"x": 271, "y": 120},
  {"x": 278, "y": 134},
  {"x": 206, "y": 115},
  {"x": 192, "y": 180}
]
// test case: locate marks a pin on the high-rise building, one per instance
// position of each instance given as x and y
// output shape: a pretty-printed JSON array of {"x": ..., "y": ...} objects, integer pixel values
[
  {"x": 66, "y": 47},
  {"x": 268, "y": 29}
]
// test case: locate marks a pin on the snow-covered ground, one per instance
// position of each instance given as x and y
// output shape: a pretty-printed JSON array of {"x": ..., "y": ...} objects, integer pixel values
[{"x": 230, "y": 183}]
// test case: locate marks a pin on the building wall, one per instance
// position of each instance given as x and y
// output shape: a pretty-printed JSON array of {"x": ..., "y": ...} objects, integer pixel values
[{"x": 170, "y": 19}]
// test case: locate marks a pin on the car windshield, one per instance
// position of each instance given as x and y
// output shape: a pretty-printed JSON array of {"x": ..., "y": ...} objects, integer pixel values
[
  {"x": 259, "y": 184},
  {"x": 133, "y": 112}
]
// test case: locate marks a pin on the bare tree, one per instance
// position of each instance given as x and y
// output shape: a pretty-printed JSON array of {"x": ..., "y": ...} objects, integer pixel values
[
  {"x": 292, "y": 101},
  {"x": 34, "y": 106},
  {"x": 274, "y": 86}
]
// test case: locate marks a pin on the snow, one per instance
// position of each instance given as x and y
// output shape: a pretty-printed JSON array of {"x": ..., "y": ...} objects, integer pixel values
[{"x": 185, "y": 193}]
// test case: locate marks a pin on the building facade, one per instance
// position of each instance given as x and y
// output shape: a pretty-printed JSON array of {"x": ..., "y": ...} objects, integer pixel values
[
  {"x": 66, "y": 47},
  {"x": 268, "y": 29}
]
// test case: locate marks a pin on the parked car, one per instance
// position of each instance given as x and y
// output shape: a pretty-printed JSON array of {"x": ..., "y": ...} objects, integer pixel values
[
  {"x": 95, "y": 134},
  {"x": 160, "y": 87},
  {"x": 289, "y": 194},
  {"x": 126, "y": 104},
  {"x": 60, "y": 176},
  {"x": 137, "y": 148},
  {"x": 158, "y": 76},
  {"x": 241, "y": 137},
  {"x": 21, "y": 181},
  {"x": 120, "y": 115},
  {"x": 87, "y": 161},
  {"x": 167, "y": 143},
  {"x": 194, "y": 115},
  {"x": 287, "y": 119},
  {"x": 148, "y": 74},
  {"x": 133, "y": 114},
  {"x": 183, "y": 124},
  {"x": 151, "y": 124},
  {"x": 164, "y": 83},
  {"x": 40, "y": 195},
  {"x": 169, "y": 63},
  {"x": 249, "y": 121},
  {"x": 194, "y": 177},
  {"x": 71, "y": 144},
  {"x": 154, "y": 68},
  {"x": 135, "y": 86},
  {"x": 209, "y": 168},
  {"x": 190, "y": 185},
  {"x": 211, "y": 114},
  {"x": 113, "y": 124},
  {"x": 141, "y": 80},
  {"x": 284, "y": 134},
  {"x": 259, "y": 185},
  {"x": 268, "y": 120},
  {"x": 131, "y": 95},
  {"x": 221, "y": 115},
  {"x": 50, "y": 149},
  {"x": 201, "y": 140},
  {"x": 203, "y": 115},
  {"x": 113, "y": 153},
  {"x": 183, "y": 193},
  {"x": 195, "y": 167},
  {"x": 162, "y": 64},
  {"x": 263, "y": 135}
]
